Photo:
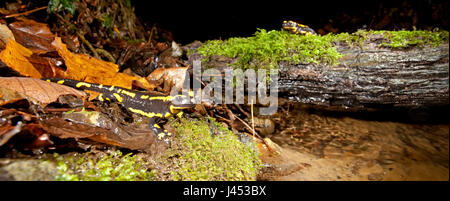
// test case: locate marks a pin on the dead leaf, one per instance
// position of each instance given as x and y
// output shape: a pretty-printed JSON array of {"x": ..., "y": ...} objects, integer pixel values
[
  {"x": 171, "y": 77},
  {"x": 16, "y": 56},
  {"x": 44, "y": 63},
  {"x": 107, "y": 132},
  {"x": 89, "y": 69},
  {"x": 21, "y": 128},
  {"x": 33, "y": 35},
  {"x": 79, "y": 66},
  {"x": 5, "y": 35},
  {"x": 38, "y": 91},
  {"x": 8, "y": 131}
]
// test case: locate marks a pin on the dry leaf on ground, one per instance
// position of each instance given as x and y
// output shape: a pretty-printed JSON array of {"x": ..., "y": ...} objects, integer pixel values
[{"x": 38, "y": 91}]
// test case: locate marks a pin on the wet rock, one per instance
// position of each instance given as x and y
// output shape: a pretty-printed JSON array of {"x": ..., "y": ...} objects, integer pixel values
[{"x": 28, "y": 170}]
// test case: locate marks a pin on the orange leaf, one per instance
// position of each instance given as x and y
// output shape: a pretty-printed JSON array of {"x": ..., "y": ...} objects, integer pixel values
[
  {"x": 89, "y": 69},
  {"x": 79, "y": 66},
  {"x": 17, "y": 57}
]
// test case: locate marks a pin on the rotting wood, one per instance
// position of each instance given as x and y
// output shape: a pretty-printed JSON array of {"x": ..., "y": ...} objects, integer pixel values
[{"x": 367, "y": 77}]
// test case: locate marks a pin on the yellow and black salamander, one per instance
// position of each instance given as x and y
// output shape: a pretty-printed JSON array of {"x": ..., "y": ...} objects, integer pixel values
[
  {"x": 297, "y": 28},
  {"x": 152, "y": 106}
]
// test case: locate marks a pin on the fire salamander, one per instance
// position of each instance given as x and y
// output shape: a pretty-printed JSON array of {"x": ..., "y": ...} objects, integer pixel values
[
  {"x": 297, "y": 28},
  {"x": 152, "y": 106}
]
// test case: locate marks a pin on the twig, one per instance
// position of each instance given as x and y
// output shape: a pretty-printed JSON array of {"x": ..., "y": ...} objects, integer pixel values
[
  {"x": 49, "y": 110},
  {"x": 223, "y": 119},
  {"x": 248, "y": 127},
  {"x": 87, "y": 43},
  {"x": 106, "y": 54},
  {"x": 26, "y": 13},
  {"x": 253, "y": 121},
  {"x": 242, "y": 110},
  {"x": 151, "y": 35}
]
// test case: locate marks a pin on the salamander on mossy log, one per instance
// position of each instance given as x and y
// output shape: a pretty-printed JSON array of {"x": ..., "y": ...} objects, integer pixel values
[{"x": 297, "y": 28}]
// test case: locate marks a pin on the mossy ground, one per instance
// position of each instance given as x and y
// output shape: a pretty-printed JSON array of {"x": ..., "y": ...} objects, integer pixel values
[
  {"x": 209, "y": 151},
  {"x": 110, "y": 167},
  {"x": 202, "y": 150},
  {"x": 267, "y": 48}
]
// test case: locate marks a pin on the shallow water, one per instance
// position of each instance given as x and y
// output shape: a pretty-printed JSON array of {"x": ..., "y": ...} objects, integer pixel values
[{"x": 321, "y": 147}]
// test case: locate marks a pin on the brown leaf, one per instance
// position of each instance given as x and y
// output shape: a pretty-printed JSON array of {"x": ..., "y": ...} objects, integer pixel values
[
  {"x": 5, "y": 35},
  {"x": 122, "y": 137},
  {"x": 8, "y": 131},
  {"x": 38, "y": 91},
  {"x": 171, "y": 77},
  {"x": 33, "y": 35}
]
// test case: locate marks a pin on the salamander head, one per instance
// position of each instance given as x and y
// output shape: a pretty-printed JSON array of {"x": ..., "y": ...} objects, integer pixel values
[
  {"x": 183, "y": 101},
  {"x": 289, "y": 25}
]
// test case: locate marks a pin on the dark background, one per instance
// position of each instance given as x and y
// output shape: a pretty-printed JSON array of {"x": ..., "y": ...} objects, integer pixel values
[{"x": 204, "y": 20}]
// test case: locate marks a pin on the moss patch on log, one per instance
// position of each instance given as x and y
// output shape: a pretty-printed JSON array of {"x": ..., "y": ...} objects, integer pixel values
[
  {"x": 404, "y": 39},
  {"x": 265, "y": 49}
]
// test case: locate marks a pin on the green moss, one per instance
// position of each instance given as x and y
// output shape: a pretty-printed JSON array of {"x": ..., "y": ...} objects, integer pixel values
[
  {"x": 267, "y": 49},
  {"x": 211, "y": 152},
  {"x": 404, "y": 39},
  {"x": 114, "y": 166}
]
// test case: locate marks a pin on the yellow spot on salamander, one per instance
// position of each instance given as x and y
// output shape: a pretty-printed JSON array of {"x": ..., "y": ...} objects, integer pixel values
[
  {"x": 177, "y": 107},
  {"x": 180, "y": 114},
  {"x": 172, "y": 109},
  {"x": 108, "y": 99},
  {"x": 156, "y": 125},
  {"x": 163, "y": 98},
  {"x": 100, "y": 97},
  {"x": 167, "y": 115},
  {"x": 147, "y": 114},
  {"x": 144, "y": 96},
  {"x": 118, "y": 97},
  {"x": 129, "y": 93},
  {"x": 80, "y": 84},
  {"x": 48, "y": 80},
  {"x": 111, "y": 88},
  {"x": 118, "y": 91},
  {"x": 60, "y": 82},
  {"x": 100, "y": 86},
  {"x": 161, "y": 135}
]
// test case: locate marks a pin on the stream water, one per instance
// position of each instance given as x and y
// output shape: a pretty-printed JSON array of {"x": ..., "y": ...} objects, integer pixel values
[{"x": 321, "y": 147}]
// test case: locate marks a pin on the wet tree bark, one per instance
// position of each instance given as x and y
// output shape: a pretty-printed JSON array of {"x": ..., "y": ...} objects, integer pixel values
[
  {"x": 372, "y": 78},
  {"x": 368, "y": 77}
]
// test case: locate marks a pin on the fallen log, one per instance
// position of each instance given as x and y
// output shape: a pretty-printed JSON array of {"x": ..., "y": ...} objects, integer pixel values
[
  {"x": 372, "y": 78},
  {"x": 367, "y": 77}
]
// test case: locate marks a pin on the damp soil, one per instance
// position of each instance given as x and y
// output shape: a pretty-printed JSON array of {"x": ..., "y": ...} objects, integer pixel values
[{"x": 320, "y": 147}]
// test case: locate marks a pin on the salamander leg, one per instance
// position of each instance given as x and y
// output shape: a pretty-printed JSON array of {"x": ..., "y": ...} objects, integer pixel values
[{"x": 160, "y": 133}]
